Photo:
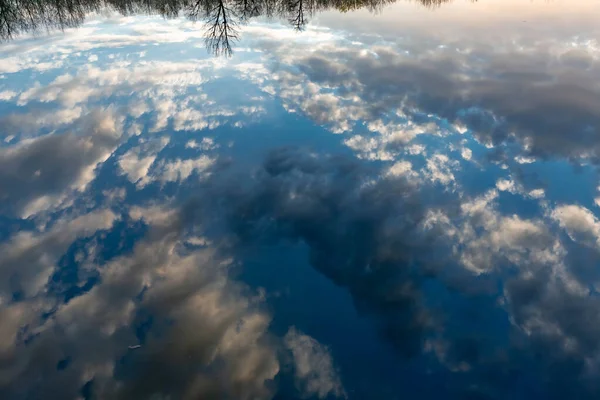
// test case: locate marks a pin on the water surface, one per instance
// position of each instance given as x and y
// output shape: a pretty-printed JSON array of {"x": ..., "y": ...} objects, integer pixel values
[{"x": 279, "y": 199}]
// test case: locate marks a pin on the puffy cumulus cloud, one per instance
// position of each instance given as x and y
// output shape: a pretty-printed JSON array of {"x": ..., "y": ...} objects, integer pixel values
[
  {"x": 441, "y": 169},
  {"x": 466, "y": 153},
  {"x": 134, "y": 167},
  {"x": 201, "y": 334},
  {"x": 14, "y": 317},
  {"x": 579, "y": 222},
  {"x": 187, "y": 116},
  {"x": 515, "y": 184},
  {"x": 144, "y": 74},
  {"x": 29, "y": 258},
  {"x": 35, "y": 121},
  {"x": 402, "y": 168},
  {"x": 314, "y": 369},
  {"x": 97, "y": 33},
  {"x": 537, "y": 193},
  {"x": 172, "y": 90},
  {"x": 93, "y": 81},
  {"x": 524, "y": 160},
  {"x": 388, "y": 139},
  {"x": 487, "y": 240},
  {"x": 7, "y": 95},
  {"x": 517, "y": 240},
  {"x": 74, "y": 128},
  {"x": 50, "y": 51},
  {"x": 206, "y": 143},
  {"x": 364, "y": 234},
  {"x": 560, "y": 319},
  {"x": 332, "y": 96},
  {"x": 510, "y": 306},
  {"x": 168, "y": 88},
  {"x": 436, "y": 272},
  {"x": 41, "y": 172},
  {"x": 179, "y": 170},
  {"x": 543, "y": 286},
  {"x": 12, "y": 64},
  {"x": 506, "y": 185},
  {"x": 324, "y": 106},
  {"x": 136, "y": 162},
  {"x": 469, "y": 85},
  {"x": 368, "y": 148},
  {"x": 581, "y": 241},
  {"x": 64, "y": 89}
]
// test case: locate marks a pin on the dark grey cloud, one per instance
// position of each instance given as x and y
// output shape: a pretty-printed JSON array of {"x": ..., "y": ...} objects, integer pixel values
[
  {"x": 364, "y": 236},
  {"x": 562, "y": 327},
  {"x": 206, "y": 336},
  {"x": 545, "y": 102},
  {"x": 38, "y": 173},
  {"x": 518, "y": 327},
  {"x": 163, "y": 321}
]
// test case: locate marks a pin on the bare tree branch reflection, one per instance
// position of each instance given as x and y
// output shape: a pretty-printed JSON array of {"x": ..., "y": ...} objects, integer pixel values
[
  {"x": 221, "y": 17},
  {"x": 221, "y": 31},
  {"x": 247, "y": 9},
  {"x": 298, "y": 11}
]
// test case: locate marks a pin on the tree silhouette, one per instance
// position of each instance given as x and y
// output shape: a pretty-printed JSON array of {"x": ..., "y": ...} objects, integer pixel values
[
  {"x": 297, "y": 10},
  {"x": 221, "y": 31},
  {"x": 221, "y": 17},
  {"x": 247, "y": 9},
  {"x": 220, "y": 21}
]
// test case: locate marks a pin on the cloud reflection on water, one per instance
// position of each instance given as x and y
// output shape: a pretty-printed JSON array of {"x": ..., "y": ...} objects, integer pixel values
[{"x": 426, "y": 187}]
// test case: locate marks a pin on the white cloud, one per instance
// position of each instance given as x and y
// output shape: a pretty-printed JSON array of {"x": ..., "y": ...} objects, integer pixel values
[
  {"x": 415, "y": 149},
  {"x": 9, "y": 65},
  {"x": 524, "y": 160},
  {"x": 537, "y": 193},
  {"x": 579, "y": 222},
  {"x": 138, "y": 107},
  {"x": 505, "y": 185},
  {"x": 7, "y": 95},
  {"x": 135, "y": 168},
  {"x": 509, "y": 185},
  {"x": 441, "y": 169},
  {"x": 179, "y": 170},
  {"x": 30, "y": 123},
  {"x": 93, "y": 81},
  {"x": 136, "y": 162},
  {"x": 402, "y": 168},
  {"x": 314, "y": 368},
  {"x": 28, "y": 258},
  {"x": 466, "y": 153},
  {"x": 69, "y": 90},
  {"x": 489, "y": 239},
  {"x": 44, "y": 172},
  {"x": 369, "y": 148},
  {"x": 205, "y": 144}
]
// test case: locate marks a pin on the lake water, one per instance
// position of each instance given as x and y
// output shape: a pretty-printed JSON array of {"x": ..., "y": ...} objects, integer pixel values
[{"x": 299, "y": 199}]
